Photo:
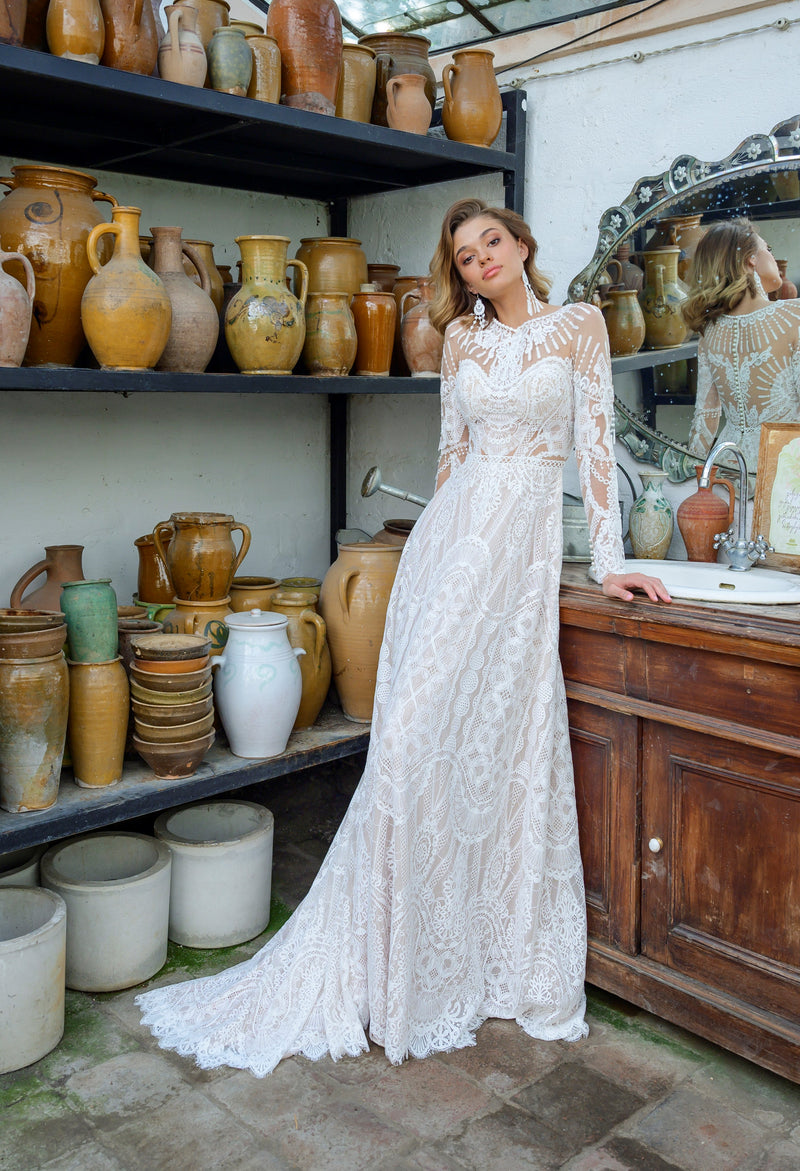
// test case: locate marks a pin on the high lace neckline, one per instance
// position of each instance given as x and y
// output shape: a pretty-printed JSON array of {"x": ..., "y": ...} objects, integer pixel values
[
  {"x": 538, "y": 319},
  {"x": 754, "y": 314}
]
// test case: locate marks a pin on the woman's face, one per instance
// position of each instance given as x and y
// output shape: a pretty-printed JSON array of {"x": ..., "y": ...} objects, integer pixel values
[
  {"x": 764, "y": 264},
  {"x": 488, "y": 258}
]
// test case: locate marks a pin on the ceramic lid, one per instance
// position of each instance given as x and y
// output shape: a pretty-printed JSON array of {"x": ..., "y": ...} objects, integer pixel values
[{"x": 255, "y": 620}]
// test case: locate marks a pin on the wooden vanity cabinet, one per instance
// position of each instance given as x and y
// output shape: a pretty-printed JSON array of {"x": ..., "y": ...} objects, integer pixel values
[{"x": 684, "y": 721}]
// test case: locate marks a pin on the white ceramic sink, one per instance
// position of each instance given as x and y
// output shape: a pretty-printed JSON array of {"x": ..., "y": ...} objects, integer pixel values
[{"x": 704, "y": 582}]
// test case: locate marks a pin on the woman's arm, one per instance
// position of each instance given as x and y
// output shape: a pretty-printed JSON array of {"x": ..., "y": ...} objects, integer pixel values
[{"x": 454, "y": 438}]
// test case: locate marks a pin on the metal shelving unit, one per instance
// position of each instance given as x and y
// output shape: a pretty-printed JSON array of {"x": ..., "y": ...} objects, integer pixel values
[{"x": 94, "y": 118}]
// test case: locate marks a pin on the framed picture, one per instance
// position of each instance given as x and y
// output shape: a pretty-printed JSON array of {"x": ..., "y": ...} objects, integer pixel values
[{"x": 776, "y": 508}]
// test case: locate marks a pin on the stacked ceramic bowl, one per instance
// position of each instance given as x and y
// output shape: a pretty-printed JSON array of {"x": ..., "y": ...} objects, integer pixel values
[{"x": 173, "y": 709}]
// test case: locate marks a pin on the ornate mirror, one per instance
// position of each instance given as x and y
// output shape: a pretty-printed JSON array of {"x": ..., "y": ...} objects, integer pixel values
[{"x": 760, "y": 179}]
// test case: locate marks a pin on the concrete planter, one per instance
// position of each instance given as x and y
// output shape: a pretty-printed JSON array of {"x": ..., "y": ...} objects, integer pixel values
[
  {"x": 21, "y": 867},
  {"x": 33, "y": 937},
  {"x": 116, "y": 887},
  {"x": 221, "y": 871}
]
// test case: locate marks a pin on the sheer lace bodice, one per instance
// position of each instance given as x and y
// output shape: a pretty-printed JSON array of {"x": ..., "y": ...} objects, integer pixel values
[
  {"x": 453, "y": 890},
  {"x": 748, "y": 370}
]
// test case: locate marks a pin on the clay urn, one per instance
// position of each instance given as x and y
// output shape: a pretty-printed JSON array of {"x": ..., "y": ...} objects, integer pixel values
[
  {"x": 205, "y": 618},
  {"x": 265, "y": 80},
  {"x": 661, "y": 299},
  {"x": 131, "y": 36},
  {"x": 252, "y": 593},
  {"x": 421, "y": 341},
  {"x": 683, "y": 231},
  {"x": 199, "y": 553},
  {"x": 12, "y": 21},
  {"x": 99, "y": 702},
  {"x": 125, "y": 309},
  {"x": 153, "y": 582},
  {"x": 400, "y": 288},
  {"x": 309, "y": 36},
  {"x": 230, "y": 61},
  {"x": 34, "y": 701},
  {"x": 472, "y": 110},
  {"x": 702, "y": 515},
  {"x": 60, "y": 563},
  {"x": 195, "y": 321},
  {"x": 47, "y": 215},
  {"x": 356, "y": 90},
  {"x": 265, "y": 325},
  {"x": 306, "y": 629},
  {"x": 374, "y": 314},
  {"x": 624, "y": 320},
  {"x": 75, "y": 30},
  {"x": 181, "y": 54},
  {"x": 16, "y": 306},
  {"x": 407, "y": 106},
  {"x": 330, "y": 346},
  {"x": 335, "y": 264},
  {"x": 398, "y": 53},
  {"x": 383, "y": 276}
]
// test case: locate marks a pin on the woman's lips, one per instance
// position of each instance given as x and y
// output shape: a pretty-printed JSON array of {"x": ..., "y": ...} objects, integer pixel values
[{"x": 490, "y": 272}]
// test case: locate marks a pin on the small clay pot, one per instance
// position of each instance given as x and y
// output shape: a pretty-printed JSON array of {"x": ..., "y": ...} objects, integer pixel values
[
  {"x": 252, "y": 593},
  {"x": 32, "y": 644},
  {"x": 230, "y": 61},
  {"x": 265, "y": 80},
  {"x": 172, "y": 762},
  {"x": 375, "y": 315}
]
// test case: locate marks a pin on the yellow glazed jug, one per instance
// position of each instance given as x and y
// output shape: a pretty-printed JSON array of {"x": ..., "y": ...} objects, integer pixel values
[
  {"x": 473, "y": 110},
  {"x": 661, "y": 299},
  {"x": 265, "y": 324}
]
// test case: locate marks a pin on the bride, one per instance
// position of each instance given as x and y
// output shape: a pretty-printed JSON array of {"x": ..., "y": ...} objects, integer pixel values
[{"x": 453, "y": 891}]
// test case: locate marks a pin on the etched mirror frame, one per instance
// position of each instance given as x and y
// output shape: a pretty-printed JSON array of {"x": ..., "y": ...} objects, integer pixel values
[{"x": 651, "y": 197}]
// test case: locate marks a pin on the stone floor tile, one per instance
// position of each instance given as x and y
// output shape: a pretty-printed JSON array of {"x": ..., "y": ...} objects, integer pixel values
[
  {"x": 504, "y": 1057},
  {"x": 424, "y": 1159},
  {"x": 90, "y": 1037},
  {"x": 38, "y": 1124},
  {"x": 111, "y": 1092},
  {"x": 783, "y": 1156},
  {"x": 289, "y": 1097},
  {"x": 620, "y": 1154},
  {"x": 697, "y": 1132},
  {"x": 428, "y": 1098},
  {"x": 578, "y": 1104},
  {"x": 189, "y": 1131},
  {"x": 637, "y": 1062},
  {"x": 342, "y": 1137},
  {"x": 507, "y": 1140},
  {"x": 356, "y": 1071},
  {"x": 88, "y": 1157},
  {"x": 747, "y": 1088}
]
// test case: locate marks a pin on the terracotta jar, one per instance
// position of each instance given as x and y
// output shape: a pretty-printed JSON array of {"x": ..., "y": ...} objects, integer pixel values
[
  {"x": 422, "y": 343},
  {"x": 12, "y": 21},
  {"x": 374, "y": 314},
  {"x": 99, "y": 702},
  {"x": 353, "y": 602},
  {"x": 407, "y": 105},
  {"x": 125, "y": 309},
  {"x": 16, "y": 306},
  {"x": 702, "y": 515},
  {"x": 90, "y": 608},
  {"x": 195, "y": 321},
  {"x": 131, "y": 37},
  {"x": 153, "y": 581},
  {"x": 206, "y": 618},
  {"x": 309, "y": 36},
  {"x": 472, "y": 110},
  {"x": 211, "y": 14},
  {"x": 329, "y": 350},
  {"x": 181, "y": 54},
  {"x": 265, "y": 324},
  {"x": 394, "y": 532},
  {"x": 201, "y": 558},
  {"x": 398, "y": 53},
  {"x": 306, "y": 629},
  {"x": 257, "y": 684},
  {"x": 788, "y": 289},
  {"x": 34, "y": 702},
  {"x": 631, "y": 275},
  {"x": 249, "y": 27},
  {"x": 336, "y": 264},
  {"x": 230, "y": 61},
  {"x": 383, "y": 276},
  {"x": 75, "y": 30},
  {"x": 401, "y": 287},
  {"x": 252, "y": 593},
  {"x": 624, "y": 321},
  {"x": 650, "y": 519},
  {"x": 661, "y": 299},
  {"x": 686, "y": 232},
  {"x": 61, "y": 563},
  {"x": 217, "y": 286},
  {"x": 356, "y": 83},
  {"x": 130, "y": 628},
  {"x": 265, "y": 80},
  {"x": 48, "y": 215}
]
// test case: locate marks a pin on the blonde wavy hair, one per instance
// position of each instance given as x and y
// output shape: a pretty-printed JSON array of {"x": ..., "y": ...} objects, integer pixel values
[
  {"x": 452, "y": 298},
  {"x": 719, "y": 276}
]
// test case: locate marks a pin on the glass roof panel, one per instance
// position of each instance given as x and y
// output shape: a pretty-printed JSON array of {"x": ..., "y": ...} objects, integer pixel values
[{"x": 448, "y": 23}]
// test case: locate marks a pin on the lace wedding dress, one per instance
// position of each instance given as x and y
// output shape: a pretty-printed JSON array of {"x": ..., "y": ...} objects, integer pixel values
[
  {"x": 453, "y": 890},
  {"x": 748, "y": 369}
]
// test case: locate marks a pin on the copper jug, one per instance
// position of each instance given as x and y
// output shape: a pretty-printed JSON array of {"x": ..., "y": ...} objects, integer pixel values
[
  {"x": 131, "y": 42},
  {"x": 61, "y": 563},
  {"x": 472, "y": 111},
  {"x": 702, "y": 515}
]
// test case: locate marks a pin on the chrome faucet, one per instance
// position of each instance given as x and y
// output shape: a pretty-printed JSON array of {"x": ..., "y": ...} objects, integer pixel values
[{"x": 742, "y": 553}]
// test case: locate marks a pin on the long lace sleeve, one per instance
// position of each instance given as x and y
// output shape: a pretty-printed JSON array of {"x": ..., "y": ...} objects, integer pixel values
[
  {"x": 454, "y": 439},
  {"x": 594, "y": 444},
  {"x": 705, "y": 421}
]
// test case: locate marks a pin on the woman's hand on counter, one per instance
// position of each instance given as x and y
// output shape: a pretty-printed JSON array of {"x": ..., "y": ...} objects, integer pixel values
[{"x": 620, "y": 585}]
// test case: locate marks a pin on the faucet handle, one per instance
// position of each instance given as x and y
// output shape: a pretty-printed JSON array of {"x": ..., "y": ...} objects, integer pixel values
[
  {"x": 758, "y": 549},
  {"x": 721, "y": 539}
]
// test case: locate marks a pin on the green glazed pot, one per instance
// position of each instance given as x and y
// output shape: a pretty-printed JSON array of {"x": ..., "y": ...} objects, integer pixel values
[
  {"x": 230, "y": 61},
  {"x": 91, "y": 612}
]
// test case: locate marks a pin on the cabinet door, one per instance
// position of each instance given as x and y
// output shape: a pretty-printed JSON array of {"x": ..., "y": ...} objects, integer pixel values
[
  {"x": 604, "y": 753},
  {"x": 721, "y": 895}
]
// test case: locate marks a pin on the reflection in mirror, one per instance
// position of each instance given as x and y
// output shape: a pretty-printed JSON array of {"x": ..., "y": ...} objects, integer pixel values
[{"x": 665, "y": 216}]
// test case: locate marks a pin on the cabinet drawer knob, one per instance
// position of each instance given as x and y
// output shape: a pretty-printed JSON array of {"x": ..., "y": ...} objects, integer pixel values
[{"x": 655, "y": 845}]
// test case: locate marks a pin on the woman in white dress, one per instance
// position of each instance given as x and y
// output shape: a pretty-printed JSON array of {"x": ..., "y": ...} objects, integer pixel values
[
  {"x": 748, "y": 358},
  {"x": 453, "y": 890}
]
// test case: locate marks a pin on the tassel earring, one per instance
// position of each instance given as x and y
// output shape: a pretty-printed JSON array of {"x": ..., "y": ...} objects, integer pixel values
[
  {"x": 534, "y": 304},
  {"x": 479, "y": 312},
  {"x": 760, "y": 290}
]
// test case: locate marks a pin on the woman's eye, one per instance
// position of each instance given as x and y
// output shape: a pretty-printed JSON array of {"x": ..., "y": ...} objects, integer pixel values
[{"x": 494, "y": 242}]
